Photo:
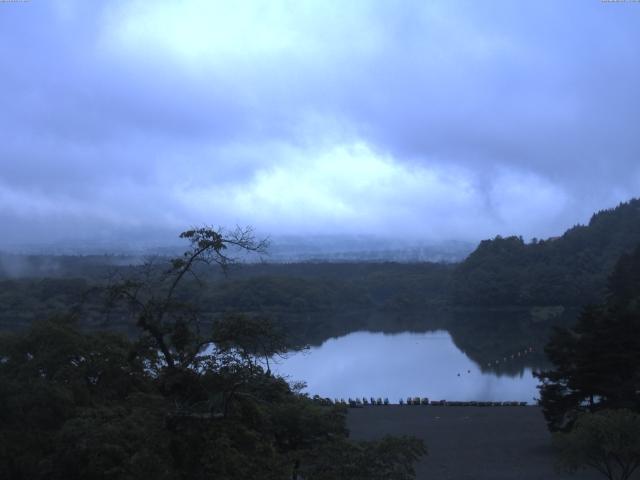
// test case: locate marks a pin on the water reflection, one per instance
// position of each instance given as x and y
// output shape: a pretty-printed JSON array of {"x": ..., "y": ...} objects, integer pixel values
[{"x": 403, "y": 364}]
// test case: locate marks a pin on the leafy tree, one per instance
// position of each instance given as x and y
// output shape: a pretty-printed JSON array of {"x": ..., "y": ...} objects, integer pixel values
[
  {"x": 607, "y": 441},
  {"x": 179, "y": 402},
  {"x": 53, "y": 377},
  {"x": 166, "y": 319},
  {"x": 597, "y": 362}
]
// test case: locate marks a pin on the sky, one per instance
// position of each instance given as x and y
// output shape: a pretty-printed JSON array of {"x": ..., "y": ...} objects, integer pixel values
[{"x": 416, "y": 119}]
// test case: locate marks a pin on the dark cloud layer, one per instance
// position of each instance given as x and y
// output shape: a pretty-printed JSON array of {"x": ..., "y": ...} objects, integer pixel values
[{"x": 457, "y": 119}]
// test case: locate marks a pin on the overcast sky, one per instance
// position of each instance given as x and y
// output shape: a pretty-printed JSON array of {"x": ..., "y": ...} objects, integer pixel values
[{"x": 452, "y": 119}]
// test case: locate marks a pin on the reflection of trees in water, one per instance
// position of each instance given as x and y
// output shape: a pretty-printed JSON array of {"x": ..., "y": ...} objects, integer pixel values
[
  {"x": 490, "y": 338},
  {"x": 502, "y": 342},
  {"x": 315, "y": 329}
]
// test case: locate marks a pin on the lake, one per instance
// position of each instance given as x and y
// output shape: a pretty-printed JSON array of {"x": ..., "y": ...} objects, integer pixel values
[{"x": 399, "y": 365}]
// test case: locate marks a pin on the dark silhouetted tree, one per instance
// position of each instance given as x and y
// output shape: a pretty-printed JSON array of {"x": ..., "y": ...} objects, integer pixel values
[
  {"x": 597, "y": 362},
  {"x": 179, "y": 402},
  {"x": 607, "y": 441}
]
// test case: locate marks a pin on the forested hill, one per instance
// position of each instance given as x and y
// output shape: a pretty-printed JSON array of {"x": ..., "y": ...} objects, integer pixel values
[{"x": 567, "y": 270}]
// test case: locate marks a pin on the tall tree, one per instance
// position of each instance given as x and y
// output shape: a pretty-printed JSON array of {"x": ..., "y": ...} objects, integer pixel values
[
  {"x": 606, "y": 441},
  {"x": 597, "y": 362},
  {"x": 168, "y": 322}
]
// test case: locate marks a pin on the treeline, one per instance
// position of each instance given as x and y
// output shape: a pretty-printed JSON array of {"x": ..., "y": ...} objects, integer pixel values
[
  {"x": 26, "y": 300},
  {"x": 570, "y": 270},
  {"x": 276, "y": 289},
  {"x": 14, "y": 266},
  {"x": 332, "y": 287}
]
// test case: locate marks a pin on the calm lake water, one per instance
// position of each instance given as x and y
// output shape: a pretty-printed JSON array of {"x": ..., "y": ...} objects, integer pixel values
[{"x": 401, "y": 365}]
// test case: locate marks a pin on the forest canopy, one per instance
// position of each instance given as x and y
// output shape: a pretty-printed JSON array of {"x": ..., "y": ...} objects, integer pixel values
[{"x": 569, "y": 270}]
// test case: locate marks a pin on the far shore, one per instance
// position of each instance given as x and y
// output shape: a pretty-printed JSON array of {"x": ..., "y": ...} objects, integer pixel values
[{"x": 469, "y": 443}]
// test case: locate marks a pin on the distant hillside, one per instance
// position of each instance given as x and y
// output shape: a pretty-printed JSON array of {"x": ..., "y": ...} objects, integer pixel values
[
  {"x": 364, "y": 248},
  {"x": 282, "y": 249},
  {"x": 567, "y": 270}
]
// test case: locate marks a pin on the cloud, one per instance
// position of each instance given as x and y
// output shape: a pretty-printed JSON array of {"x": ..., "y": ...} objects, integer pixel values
[
  {"x": 353, "y": 188},
  {"x": 438, "y": 119}
]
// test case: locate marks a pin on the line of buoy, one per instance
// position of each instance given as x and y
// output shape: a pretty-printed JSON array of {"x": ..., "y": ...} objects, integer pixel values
[
  {"x": 513, "y": 356},
  {"x": 363, "y": 402}
]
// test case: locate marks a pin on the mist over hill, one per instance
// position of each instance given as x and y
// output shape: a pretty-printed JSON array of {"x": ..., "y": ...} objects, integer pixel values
[
  {"x": 337, "y": 248},
  {"x": 53, "y": 259}
]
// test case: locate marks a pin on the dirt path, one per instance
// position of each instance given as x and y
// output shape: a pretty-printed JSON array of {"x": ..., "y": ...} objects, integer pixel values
[{"x": 469, "y": 443}]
